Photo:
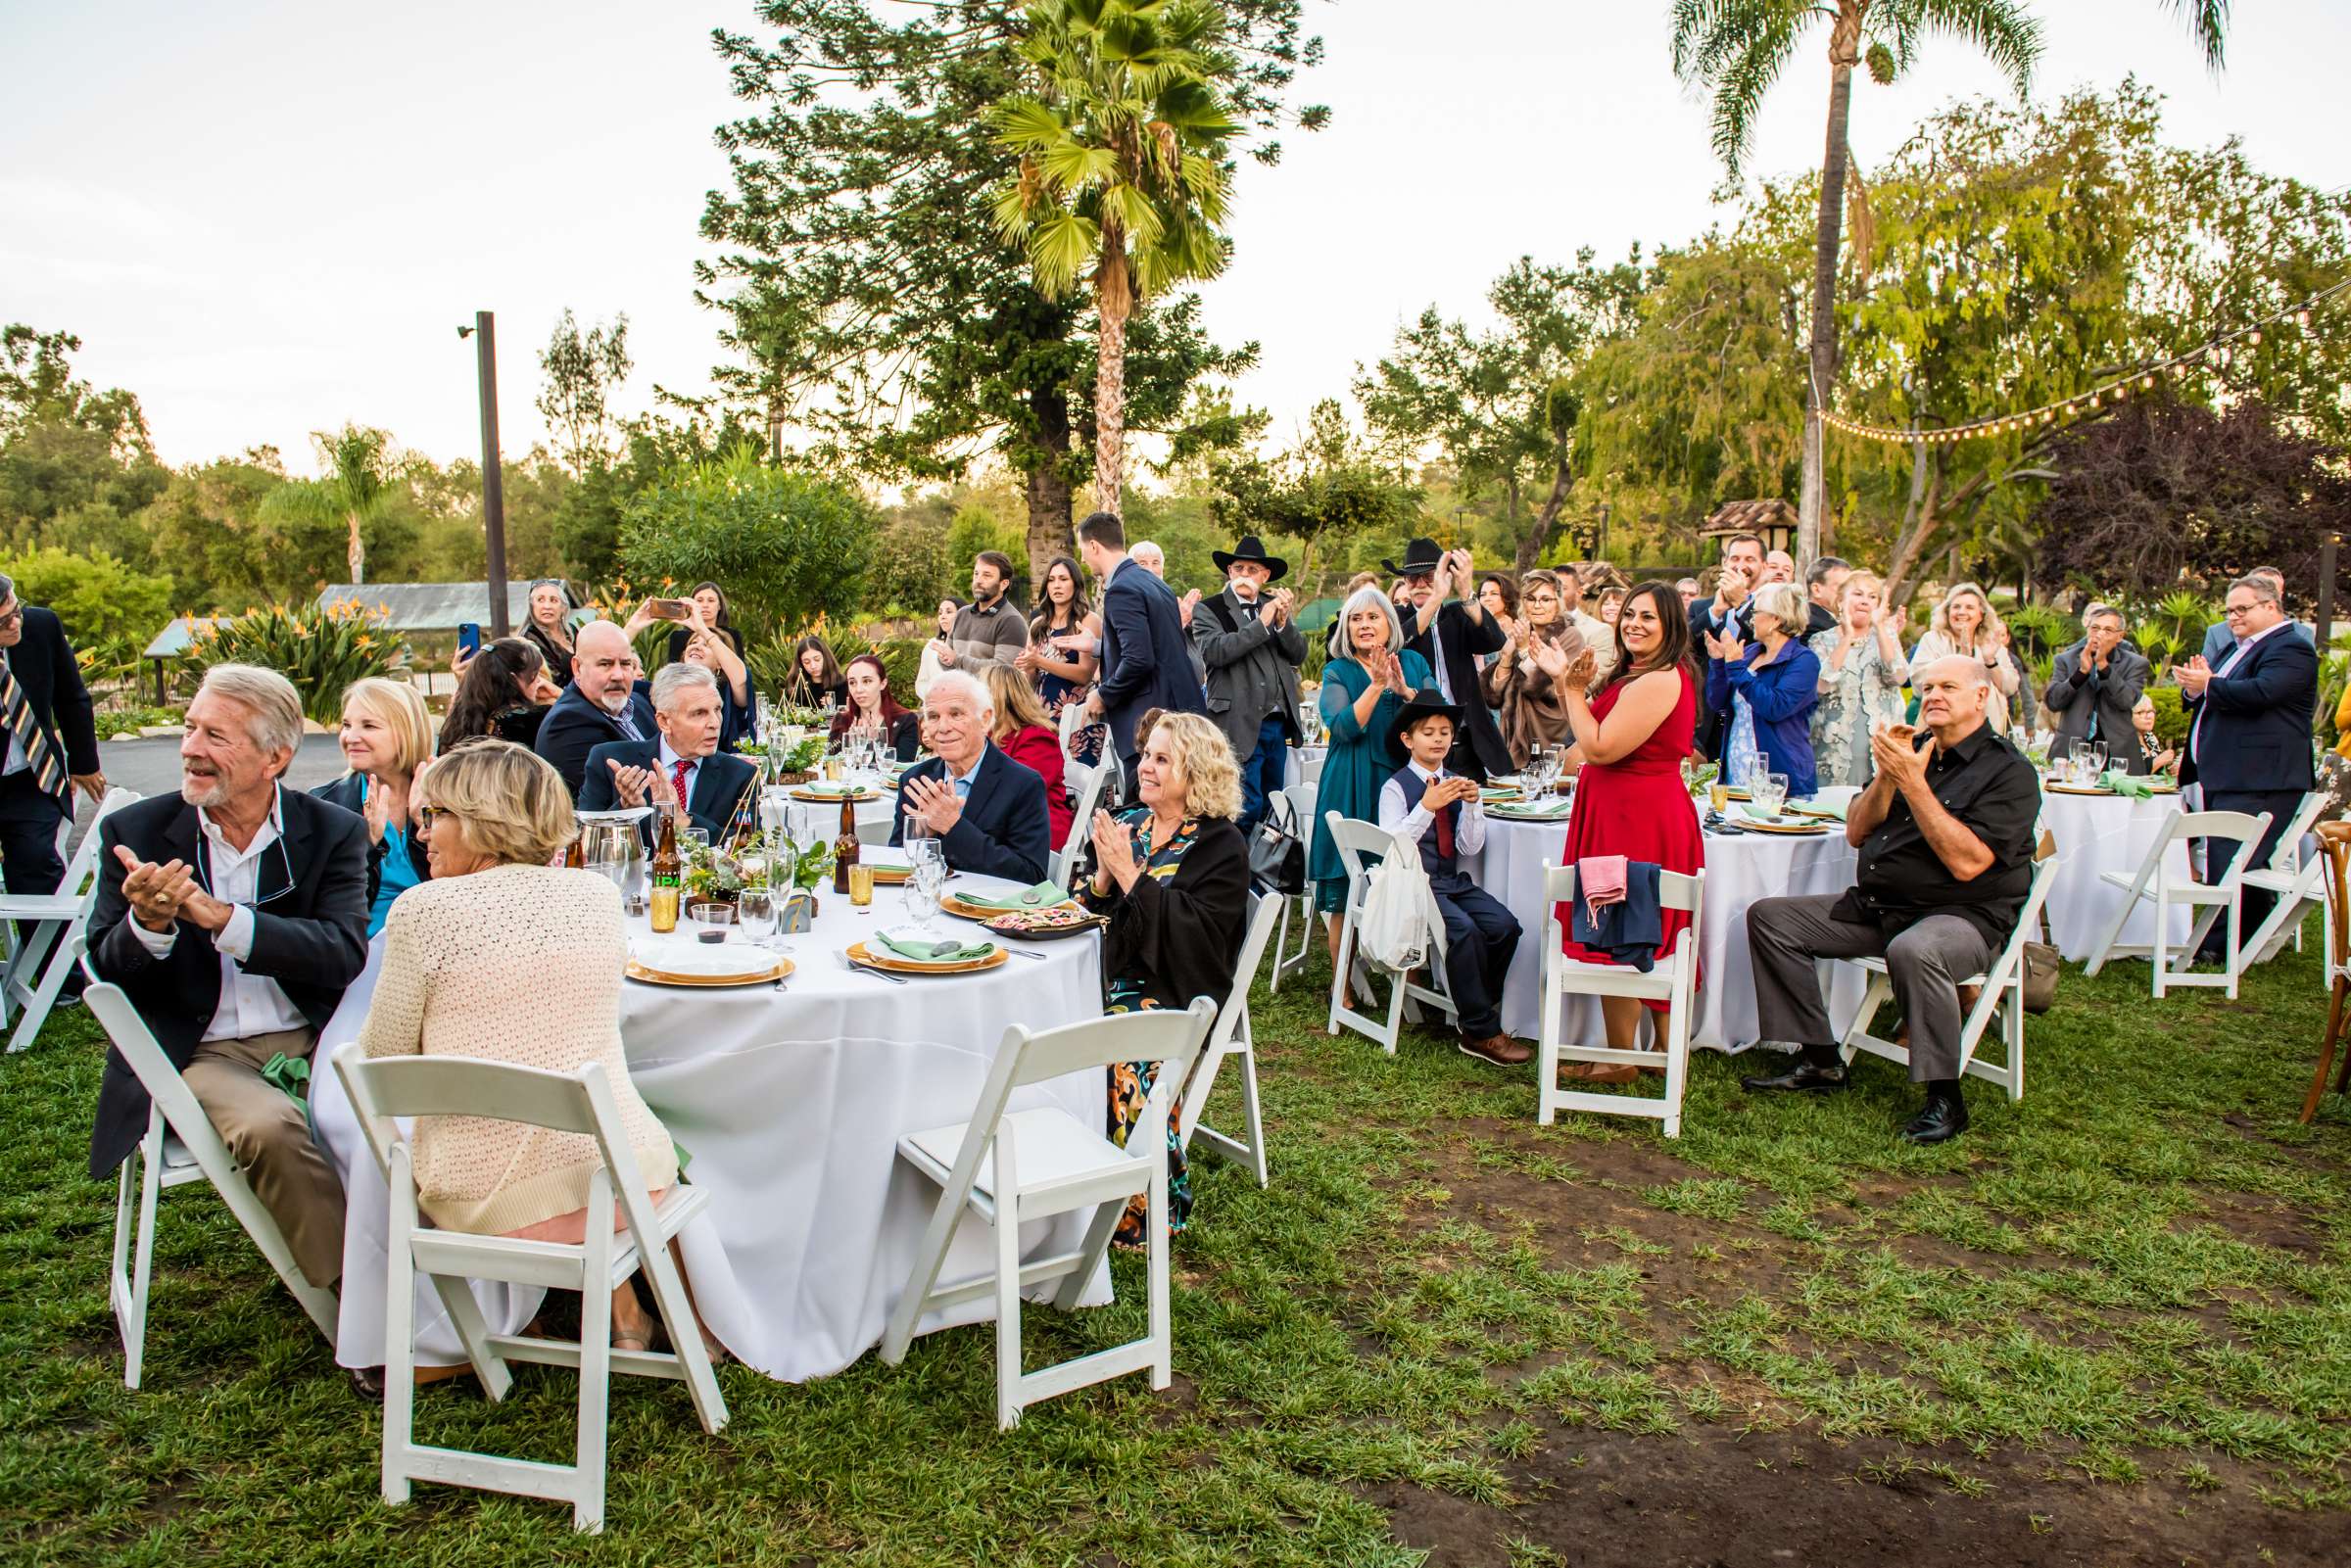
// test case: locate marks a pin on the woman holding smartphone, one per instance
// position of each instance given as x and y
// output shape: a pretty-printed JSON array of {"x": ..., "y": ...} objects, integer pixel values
[{"x": 703, "y": 611}]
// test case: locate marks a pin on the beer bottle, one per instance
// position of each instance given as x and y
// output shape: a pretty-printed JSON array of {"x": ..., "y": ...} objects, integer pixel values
[
  {"x": 575, "y": 858},
  {"x": 845, "y": 848},
  {"x": 668, "y": 876}
]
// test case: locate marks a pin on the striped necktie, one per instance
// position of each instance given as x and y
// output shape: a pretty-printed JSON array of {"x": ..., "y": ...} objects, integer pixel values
[{"x": 47, "y": 772}]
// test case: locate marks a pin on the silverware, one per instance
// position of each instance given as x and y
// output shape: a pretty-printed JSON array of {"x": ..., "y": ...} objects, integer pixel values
[
  {"x": 848, "y": 963},
  {"x": 1022, "y": 952}
]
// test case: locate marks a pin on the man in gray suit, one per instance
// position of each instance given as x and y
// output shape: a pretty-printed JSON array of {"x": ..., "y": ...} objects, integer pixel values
[
  {"x": 1250, "y": 646},
  {"x": 2094, "y": 684}
]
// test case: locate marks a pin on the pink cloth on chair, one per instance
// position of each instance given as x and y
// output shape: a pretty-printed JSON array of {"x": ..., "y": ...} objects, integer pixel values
[{"x": 1599, "y": 879}]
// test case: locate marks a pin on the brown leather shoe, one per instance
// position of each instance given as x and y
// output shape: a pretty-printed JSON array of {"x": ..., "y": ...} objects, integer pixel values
[
  {"x": 1583, "y": 1074},
  {"x": 1499, "y": 1049}
]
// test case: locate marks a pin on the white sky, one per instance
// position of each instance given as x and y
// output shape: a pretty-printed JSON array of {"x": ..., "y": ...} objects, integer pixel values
[{"x": 266, "y": 219}]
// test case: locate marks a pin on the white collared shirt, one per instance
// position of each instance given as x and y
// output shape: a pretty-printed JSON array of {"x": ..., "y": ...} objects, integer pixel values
[
  {"x": 249, "y": 1004},
  {"x": 1398, "y": 815}
]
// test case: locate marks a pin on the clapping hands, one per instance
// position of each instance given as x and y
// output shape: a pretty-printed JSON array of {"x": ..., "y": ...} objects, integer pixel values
[
  {"x": 1893, "y": 748},
  {"x": 1114, "y": 850}
]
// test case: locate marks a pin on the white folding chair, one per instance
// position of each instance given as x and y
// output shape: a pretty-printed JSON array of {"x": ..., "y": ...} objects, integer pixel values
[
  {"x": 1355, "y": 840},
  {"x": 1089, "y": 795},
  {"x": 1673, "y": 980},
  {"x": 876, "y": 832},
  {"x": 1231, "y": 1037},
  {"x": 180, "y": 1148},
  {"x": 2155, "y": 883},
  {"x": 581, "y": 1103},
  {"x": 1008, "y": 1166},
  {"x": 1299, "y": 801},
  {"x": 2002, "y": 995},
  {"x": 45, "y": 924},
  {"x": 2297, "y": 880}
]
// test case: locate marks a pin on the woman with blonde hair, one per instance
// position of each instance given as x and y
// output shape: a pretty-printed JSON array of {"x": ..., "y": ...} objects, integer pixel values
[
  {"x": 387, "y": 736},
  {"x": 505, "y": 958},
  {"x": 1966, "y": 624},
  {"x": 1771, "y": 687},
  {"x": 1024, "y": 733},
  {"x": 1862, "y": 673},
  {"x": 1521, "y": 683},
  {"x": 1173, "y": 876}
]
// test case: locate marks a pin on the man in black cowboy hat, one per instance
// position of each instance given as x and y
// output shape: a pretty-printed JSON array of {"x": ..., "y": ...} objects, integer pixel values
[
  {"x": 1445, "y": 624},
  {"x": 1438, "y": 811},
  {"x": 1248, "y": 640}
]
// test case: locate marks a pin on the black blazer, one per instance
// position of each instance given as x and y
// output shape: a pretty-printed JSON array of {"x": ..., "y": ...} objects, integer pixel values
[
  {"x": 311, "y": 937},
  {"x": 350, "y": 793},
  {"x": 1146, "y": 658},
  {"x": 1479, "y": 748},
  {"x": 2255, "y": 723},
  {"x": 574, "y": 727},
  {"x": 1003, "y": 830},
  {"x": 718, "y": 784},
  {"x": 1179, "y": 936},
  {"x": 43, "y": 664}
]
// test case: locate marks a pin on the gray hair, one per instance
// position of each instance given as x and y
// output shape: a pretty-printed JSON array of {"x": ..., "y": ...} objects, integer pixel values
[
  {"x": 1368, "y": 597},
  {"x": 2259, "y": 587},
  {"x": 673, "y": 680},
  {"x": 983, "y": 702},
  {"x": 8, "y": 587},
  {"x": 272, "y": 707},
  {"x": 1151, "y": 545},
  {"x": 1784, "y": 602},
  {"x": 2096, "y": 610},
  {"x": 1818, "y": 572}
]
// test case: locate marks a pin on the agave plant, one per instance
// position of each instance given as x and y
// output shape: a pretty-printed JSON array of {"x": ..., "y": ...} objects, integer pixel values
[
  {"x": 322, "y": 650},
  {"x": 2182, "y": 617}
]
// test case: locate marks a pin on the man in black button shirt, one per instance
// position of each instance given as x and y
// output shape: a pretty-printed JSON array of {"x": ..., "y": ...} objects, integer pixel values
[{"x": 1946, "y": 835}]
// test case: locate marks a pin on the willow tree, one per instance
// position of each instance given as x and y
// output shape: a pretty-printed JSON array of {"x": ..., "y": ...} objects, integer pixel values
[{"x": 1124, "y": 171}]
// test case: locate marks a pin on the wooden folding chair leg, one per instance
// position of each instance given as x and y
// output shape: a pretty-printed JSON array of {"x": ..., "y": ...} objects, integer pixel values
[{"x": 2326, "y": 1050}]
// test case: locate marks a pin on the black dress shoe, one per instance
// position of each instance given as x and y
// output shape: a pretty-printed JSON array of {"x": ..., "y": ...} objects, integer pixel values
[
  {"x": 1800, "y": 1074},
  {"x": 367, "y": 1382},
  {"x": 1940, "y": 1121}
]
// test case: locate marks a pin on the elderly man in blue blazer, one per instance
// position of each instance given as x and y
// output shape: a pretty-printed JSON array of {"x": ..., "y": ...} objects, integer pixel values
[
  {"x": 2249, "y": 726},
  {"x": 606, "y": 700},
  {"x": 1146, "y": 655},
  {"x": 987, "y": 811},
  {"x": 682, "y": 764}
]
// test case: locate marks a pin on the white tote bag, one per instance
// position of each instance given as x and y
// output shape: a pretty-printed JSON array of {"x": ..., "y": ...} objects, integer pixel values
[{"x": 1392, "y": 933}]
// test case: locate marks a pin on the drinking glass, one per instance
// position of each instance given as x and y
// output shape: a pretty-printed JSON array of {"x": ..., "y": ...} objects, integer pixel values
[
  {"x": 861, "y": 888},
  {"x": 711, "y": 918},
  {"x": 755, "y": 912},
  {"x": 1769, "y": 791},
  {"x": 692, "y": 836},
  {"x": 923, "y": 889}
]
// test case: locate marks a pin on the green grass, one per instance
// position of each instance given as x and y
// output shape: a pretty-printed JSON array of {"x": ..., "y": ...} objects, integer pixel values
[{"x": 2140, "y": 1274}]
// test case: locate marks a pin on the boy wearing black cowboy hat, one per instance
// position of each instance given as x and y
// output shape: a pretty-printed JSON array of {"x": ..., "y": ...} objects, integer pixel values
[
  {"x": 1250, "y": 647},
  {"x": 1445, "y": 624},
  {"x": 1438, "y": 810}
]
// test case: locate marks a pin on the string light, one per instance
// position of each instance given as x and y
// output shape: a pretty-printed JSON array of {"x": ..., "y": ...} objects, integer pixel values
[{"x": 2220, "y": 353}]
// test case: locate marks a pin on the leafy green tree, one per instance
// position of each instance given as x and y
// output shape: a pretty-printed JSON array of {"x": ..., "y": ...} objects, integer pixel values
[
  {"x": 582, "y": 371},
  {"x": 1124, "y": 171},
  {"x": 1327, "y": 492},
  {"x": 356, "y": 483},
  {"x": 97, "y": 596},
  {"x": 65, "y": 448},
  {"x": 586, "y": 525},
  {"x": 786, "y": 546},
  {"x": 863, "y": 278},
  {"x": 1503, "y": 403}
]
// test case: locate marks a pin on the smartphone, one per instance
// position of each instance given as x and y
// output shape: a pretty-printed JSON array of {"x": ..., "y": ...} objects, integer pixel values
[
  {"x": 469, "y": 637},
  {"x": 669, "y": 609}
]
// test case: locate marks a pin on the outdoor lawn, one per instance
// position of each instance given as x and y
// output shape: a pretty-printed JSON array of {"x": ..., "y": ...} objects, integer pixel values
[{"x": 2109, "y": 1326}]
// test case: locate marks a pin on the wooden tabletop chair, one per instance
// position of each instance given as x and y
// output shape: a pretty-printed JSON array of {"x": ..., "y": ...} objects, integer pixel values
[{"x": 2335, "y": 845}]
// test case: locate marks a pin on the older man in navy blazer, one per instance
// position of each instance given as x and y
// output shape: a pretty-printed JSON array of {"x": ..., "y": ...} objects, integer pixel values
[
  {"x": 2249, "y": 725},
  {"x": 987, "y": 811},
  {"x": 1146, "y": 655}
]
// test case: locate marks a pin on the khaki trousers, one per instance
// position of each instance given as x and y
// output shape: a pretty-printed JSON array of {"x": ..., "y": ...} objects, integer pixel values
[{"x": 269, "y": 1137}]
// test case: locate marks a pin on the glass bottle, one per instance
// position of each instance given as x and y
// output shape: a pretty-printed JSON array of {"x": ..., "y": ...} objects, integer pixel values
[
  {"x": 845, "y": 848},
  {"x": 668, "y": 877}
]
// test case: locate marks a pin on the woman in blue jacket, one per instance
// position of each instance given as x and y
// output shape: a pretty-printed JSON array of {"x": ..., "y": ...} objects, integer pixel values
[{"x": 1773, "y": 684}]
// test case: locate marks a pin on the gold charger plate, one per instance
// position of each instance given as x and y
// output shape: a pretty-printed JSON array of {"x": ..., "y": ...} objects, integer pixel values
[
  {"x": 955, "y": 905},
  {"x": 836, "y": 799},
  {"x": 887, "y": 960},
  {"x": 2077, "y": 789},
  {"x": 652, "y": 977},
  {"x": 1795, "y": 828}
]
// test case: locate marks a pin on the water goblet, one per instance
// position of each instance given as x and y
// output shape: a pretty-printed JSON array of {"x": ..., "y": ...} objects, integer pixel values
[{"x": 755, "y": 912}]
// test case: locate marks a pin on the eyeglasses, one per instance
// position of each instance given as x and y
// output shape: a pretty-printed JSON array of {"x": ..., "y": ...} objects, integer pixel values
[
  {"x": 2241, "y": 609},
  {"x": 11, "y": 616},
  {"x": 426, "y": 816}
]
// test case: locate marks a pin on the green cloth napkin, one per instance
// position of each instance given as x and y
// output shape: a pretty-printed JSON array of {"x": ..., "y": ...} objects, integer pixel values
[
  {"x": 290, "y": 1075},
  {"x": 922, "y": 949},
  {"x": 2127, "y": 785},
  {"x": 1553, "y": 807},
  {"x": 1832, "y": 808},
  {"x": 829, "y": 787},
  {"x": 1045, "y": 895}
]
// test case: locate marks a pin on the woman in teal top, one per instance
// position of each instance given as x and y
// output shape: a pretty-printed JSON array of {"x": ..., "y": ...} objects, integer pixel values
[
  {"x": 1364, "y": 685},
  {"x": 387, "y": 735}
]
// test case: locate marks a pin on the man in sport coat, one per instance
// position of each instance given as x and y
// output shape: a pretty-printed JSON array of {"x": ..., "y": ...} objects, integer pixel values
[
  {"x": 51, "y": 741},
  {"x": 1248, "y": 640},
  {"x": 986, "y": 810},
  {"x": 1450, "y": 629},
  {"x": 607, "y": 701},
  {"x": 683, "y": 762},
  {"x": 1146, "y": 658},
  {"x": 2094, "y": 686}
]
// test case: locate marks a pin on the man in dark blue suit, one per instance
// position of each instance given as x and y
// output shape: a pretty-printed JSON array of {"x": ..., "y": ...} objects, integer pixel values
[
  {"x": 1731, "y": 609},
  {"x": 1146, "y": 658},
  {"x": 50, "y": 738},
  {"x": 2249, "y": 726},
  {"x": 606, "y": 700},
  {"x": 682, "y": 764},
  {"x": 987, "y": 811},
  {"x": 2220, "y": 636}
]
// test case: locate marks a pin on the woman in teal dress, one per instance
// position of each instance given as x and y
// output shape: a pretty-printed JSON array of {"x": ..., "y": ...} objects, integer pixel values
[{"x": 1363, "y": 688}]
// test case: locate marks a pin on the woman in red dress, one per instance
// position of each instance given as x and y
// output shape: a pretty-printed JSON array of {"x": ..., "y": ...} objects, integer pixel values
[{"x": 1629, "y": 798}]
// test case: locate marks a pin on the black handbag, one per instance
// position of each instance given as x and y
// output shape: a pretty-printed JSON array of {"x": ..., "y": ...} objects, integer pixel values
[{"x": 1277, "y": 851}]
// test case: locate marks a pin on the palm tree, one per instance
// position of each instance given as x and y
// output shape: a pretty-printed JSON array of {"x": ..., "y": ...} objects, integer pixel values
[
  {"x": 1122, "y": 169},
  {"x": 1736, "y": 49},
  {"x": 354, "y": 481}
]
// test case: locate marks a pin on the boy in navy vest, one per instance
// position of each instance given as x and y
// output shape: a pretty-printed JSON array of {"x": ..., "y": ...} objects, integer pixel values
[{"x": 1439, "y": 811}]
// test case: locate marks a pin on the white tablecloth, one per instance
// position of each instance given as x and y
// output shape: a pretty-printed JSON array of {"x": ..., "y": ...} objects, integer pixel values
[
  {"x": 2097, "y": 833},
  {"x": 1741, "y": 868},
  {"x": 790, "y": 1105}
]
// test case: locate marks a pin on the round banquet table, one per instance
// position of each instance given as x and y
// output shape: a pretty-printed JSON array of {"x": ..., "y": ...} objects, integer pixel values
[
  {"x": 2097, "y": 833},
  {"x": 1741, "y": 868},
  {"x": 788, "y": 1106}
]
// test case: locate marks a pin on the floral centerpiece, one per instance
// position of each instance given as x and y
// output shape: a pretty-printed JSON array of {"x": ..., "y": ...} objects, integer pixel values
[{"x": 785, "y": 759}]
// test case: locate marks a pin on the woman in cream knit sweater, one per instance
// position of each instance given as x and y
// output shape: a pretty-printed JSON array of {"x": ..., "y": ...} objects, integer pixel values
[{"x": 501, "y": 958}]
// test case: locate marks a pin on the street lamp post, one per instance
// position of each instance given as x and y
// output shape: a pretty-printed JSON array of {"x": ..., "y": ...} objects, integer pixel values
[{"x": 493, "y": 492}]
